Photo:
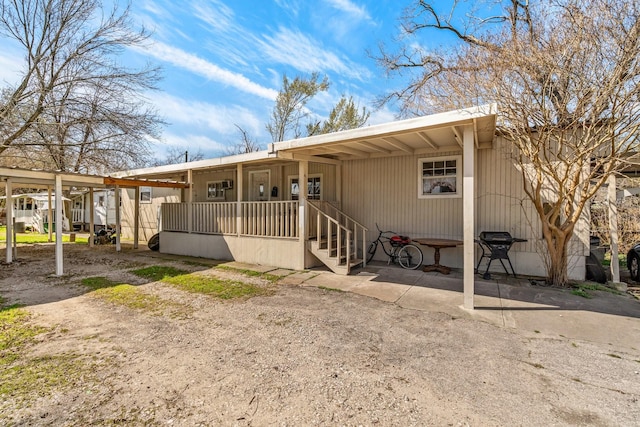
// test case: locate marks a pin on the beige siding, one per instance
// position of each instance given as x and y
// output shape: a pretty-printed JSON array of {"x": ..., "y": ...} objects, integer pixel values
[
  {"x": 279, "y": 177},
  {"x": 385, "y": 190},
  {"x": 148, "y": 211}
]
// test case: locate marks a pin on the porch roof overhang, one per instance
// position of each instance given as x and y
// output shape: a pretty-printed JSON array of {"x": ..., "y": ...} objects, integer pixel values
[
  {"x": 32, "y": 178},
  {"x": 423, "y": 135}
]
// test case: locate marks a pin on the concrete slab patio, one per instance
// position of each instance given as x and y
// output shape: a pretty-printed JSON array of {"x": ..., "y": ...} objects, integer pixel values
[{"x": 606, "y": 317}]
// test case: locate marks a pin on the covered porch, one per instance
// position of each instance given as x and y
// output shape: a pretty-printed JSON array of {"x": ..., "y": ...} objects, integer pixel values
[{"x": 254, "y": 208}]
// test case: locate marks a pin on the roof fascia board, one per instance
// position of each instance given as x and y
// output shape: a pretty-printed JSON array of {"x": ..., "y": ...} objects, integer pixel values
[
  {"x": 450, "y": 118},
  {"x": 199, "y": 164}
]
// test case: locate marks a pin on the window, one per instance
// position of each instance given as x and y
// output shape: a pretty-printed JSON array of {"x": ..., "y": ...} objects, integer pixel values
[
  {"x": 314, "y": 188},
  {"x": 145, "y": 194},
  {"x": 439, "y": 177},
  {"x": 215, "y": 190}
]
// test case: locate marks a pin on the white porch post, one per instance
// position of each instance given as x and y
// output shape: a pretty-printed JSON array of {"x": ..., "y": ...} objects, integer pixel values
[
  {"x": 239, "y": 186},
  {"x": 303, "y": 177},
  {"x": 117, "y": 207},
  {"x": 136, "y": 217},
  {"x": 613, "y": 228},
  {"x": 468, "y": 216},
  {"x": 59, "y": 220},
  {"x": 339, "y": 185},
  {"x": 50, "y": 214},
  {"x": 190, "y": 201},
  {"x": 91, "y": 217},
  {"x": 9, "y": 217}
]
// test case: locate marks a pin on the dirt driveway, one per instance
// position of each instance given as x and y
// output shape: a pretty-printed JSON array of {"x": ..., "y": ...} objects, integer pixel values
[{"x": 295, "y": 356}]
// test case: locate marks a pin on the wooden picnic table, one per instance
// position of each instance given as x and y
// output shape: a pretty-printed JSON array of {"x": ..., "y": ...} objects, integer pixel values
[{"x": 438, "y": 244}]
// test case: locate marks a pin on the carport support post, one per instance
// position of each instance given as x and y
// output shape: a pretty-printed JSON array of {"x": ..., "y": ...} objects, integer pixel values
[
  {"x": 9, "y": 218},
  {"x": 613, "y": 229},
  {"x": 59, "y": 220},
  {"x": 117, "y": 203},
  {"x": 91, "y": 218},
  {"x": 136, "y": 217},
  {"x": 468, "y": 217}
]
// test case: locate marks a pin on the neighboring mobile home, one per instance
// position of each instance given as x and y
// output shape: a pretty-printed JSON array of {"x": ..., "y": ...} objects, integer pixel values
[
  {"x": 31, "y": 211},
  {"x": 444, "y": 176}
]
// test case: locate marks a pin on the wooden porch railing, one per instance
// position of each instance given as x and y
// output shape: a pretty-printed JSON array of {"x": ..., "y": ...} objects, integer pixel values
[
  {"x": 268, "y": 219},
  {"x": 214, "y": 218}
]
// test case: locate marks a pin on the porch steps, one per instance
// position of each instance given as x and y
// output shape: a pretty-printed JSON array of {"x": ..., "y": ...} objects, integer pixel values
[{"x": 330, "y": 258}]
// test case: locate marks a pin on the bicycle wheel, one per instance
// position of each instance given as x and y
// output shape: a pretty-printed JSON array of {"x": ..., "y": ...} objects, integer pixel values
[
  {"x": 371, "y": 251},
  {"x": 410, "y": 257}
]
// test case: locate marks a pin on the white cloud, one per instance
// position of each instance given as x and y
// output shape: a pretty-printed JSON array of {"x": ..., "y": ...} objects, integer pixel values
[
  {"x": 351, "y": 8},
  {"x": 11, "y": 64},
  {"x": 215, "y": 118},
  {"x": 299, "y": 51},
  {"x": 382, "y": 115},
  {"x": 219, "y": 17},
  {"x": 197, "y": 65}
]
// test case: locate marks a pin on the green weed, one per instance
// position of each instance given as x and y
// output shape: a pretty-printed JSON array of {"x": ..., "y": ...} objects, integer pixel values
[
  {"x": 219, "y": 288},
  {"x": 158, "y": 272}
]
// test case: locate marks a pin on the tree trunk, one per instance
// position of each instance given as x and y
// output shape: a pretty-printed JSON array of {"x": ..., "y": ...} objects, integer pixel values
[{"x": 557, "y": 242}]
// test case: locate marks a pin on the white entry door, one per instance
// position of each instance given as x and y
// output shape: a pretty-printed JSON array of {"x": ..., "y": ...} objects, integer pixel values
[{"x": 259, "y": 185}]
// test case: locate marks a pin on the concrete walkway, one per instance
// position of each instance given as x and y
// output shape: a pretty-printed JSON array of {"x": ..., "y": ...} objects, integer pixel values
[{"x": 504, "y": 301}]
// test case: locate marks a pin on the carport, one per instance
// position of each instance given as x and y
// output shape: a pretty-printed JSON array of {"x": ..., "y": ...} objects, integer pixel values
[{"x": 56, "y": 181}]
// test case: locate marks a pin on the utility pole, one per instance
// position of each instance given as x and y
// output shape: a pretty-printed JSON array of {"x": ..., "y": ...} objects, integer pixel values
[{"x": 186, "y": 156}]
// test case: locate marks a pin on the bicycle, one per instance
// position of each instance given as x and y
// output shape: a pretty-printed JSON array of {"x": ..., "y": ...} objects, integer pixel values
[{"x": 398, "y": 248}]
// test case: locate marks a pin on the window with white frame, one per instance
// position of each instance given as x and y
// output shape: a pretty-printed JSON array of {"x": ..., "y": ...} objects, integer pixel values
[
  {"x": 314, "y": 187},
  {"x": 440, "y": 177},
  {"x": 145, "y": 194},
  {"x": 215, "y": 190}
]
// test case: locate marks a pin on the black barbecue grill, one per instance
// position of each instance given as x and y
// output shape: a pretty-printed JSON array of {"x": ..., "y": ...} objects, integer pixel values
[{"x": 496, "y": 245}]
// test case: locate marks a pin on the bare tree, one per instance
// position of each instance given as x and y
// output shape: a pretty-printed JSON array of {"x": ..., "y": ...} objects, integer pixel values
[
  {"x": 247, "y": 143},
  {"x": 565, "y": 74},
  {"x": 180, "y": 155},
  {"x": 290, "y": 105},
  {"x": 75, "y": 108},
  {"x": 343, "y": 116}
]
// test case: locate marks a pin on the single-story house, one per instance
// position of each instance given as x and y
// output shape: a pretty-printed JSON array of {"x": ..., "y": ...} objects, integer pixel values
[{"x": 446, "y": 175}]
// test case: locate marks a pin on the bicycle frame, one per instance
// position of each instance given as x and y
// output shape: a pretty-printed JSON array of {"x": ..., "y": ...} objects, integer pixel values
[{"x": 400, "y": 252}]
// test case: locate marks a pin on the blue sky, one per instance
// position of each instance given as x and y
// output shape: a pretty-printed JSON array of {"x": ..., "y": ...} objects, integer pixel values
[{"x": 223, "y": 61}]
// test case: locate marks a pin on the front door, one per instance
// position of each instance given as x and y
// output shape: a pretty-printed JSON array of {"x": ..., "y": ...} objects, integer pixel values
[{"x": 259, "y": 182}]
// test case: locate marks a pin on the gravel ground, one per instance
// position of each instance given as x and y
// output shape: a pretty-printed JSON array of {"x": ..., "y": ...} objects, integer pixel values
[{"x": 299, "y": 356}]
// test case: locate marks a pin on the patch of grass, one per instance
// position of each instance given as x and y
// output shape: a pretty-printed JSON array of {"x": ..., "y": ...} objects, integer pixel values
[
  {"x": 33, "y": 237},
  {"x": 22, "y": 377},
  {"x": 324, "y": 288},
  {"x": 615, "y": 356},
  {"x": 40, "y": 375},
  {"x": 250, "y": 273},
  {"x": 219, "y": 288},
  {"x": 622, "y": 259},
  {"x": 536, "y": 331},
  {"x": 131, "y": 297},
  {"x": 581, "y": 293},
  {"x": 15, "y": 331},
  {"x": 582, "y": 289},
  {"x": 158, "y": 272},
  {"x": 98, "y": 282}
]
